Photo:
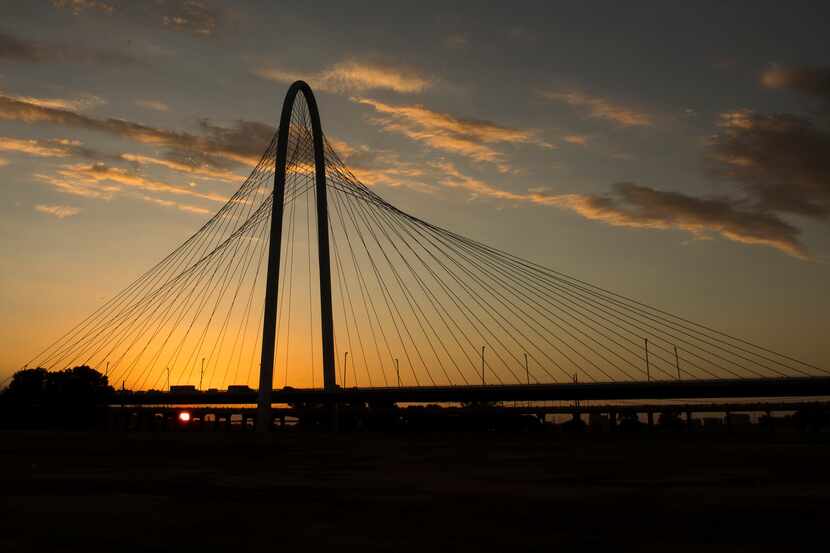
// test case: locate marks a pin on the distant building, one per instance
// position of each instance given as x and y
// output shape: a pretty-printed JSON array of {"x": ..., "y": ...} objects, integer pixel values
[
  {"x": 183, "y": 388},
  {"x": 239, "y": 388}
]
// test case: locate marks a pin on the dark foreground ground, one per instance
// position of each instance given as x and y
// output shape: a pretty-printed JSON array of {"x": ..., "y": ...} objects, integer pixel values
[{"x": 371, "y": 492}]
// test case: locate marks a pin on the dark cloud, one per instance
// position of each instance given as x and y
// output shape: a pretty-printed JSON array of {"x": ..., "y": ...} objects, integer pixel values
[
  {"x": 192, "y": 16},
  {"x": 22, "y": 50},
  {"x": 635, "y": 205},
  {"x": 216, "y": 146},
  {"x": 810, "y": 81},
  {"x": 781, "y": 161}
]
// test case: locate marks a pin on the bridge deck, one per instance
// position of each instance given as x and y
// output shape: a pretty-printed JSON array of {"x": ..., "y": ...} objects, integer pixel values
[{"x": 607, "y": 391}]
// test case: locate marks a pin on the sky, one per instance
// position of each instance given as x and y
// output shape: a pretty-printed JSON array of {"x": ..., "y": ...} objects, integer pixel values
[{"x": 675, "y": 153}]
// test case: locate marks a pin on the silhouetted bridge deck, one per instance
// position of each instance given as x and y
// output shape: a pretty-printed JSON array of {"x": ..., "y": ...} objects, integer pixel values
[{"x": 603, "y": 391}]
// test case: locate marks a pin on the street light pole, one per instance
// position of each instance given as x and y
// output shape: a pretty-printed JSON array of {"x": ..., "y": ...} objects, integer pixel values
[
  {"x": 398, "y": 371},
  {"x": 482, "y": 365}
]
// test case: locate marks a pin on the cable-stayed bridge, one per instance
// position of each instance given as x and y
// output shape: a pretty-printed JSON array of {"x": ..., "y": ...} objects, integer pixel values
[{"x": 308, "y": 285}]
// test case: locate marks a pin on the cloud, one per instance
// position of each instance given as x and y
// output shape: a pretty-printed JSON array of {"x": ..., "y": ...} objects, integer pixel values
[
  {"x": 441, "y": 131},
  {"x": 636, "y": 206},
  {"x": 810, "y": 81},
  {"x": 190, "y": 16},
  {"x": 195, "y": 170},
  {"x": 101, "y": 172},
  {"x": 379, "y": 167},
  {"x": 3, "y": 162},
  {"x": 577, "y": 139},
  {"x": 633, "y": 205},
  {"x": 216, "y": 146},
  {"x": 39, "y": 148},
  {"x": 24, "y": 50},
  {"x": 601, "y": 108},
  {"x": 181, "y": 207},
  {"x": 781, "y": 161},
  {"x": 354, "y": 76},
  {"x": 59, "y": 211},
  {"x": 79, "y": 6},
  {"x": 153, "y": 104}
]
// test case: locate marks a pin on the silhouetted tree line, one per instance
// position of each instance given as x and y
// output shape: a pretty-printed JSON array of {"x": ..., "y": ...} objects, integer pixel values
[{"x": 75, "y": 398}]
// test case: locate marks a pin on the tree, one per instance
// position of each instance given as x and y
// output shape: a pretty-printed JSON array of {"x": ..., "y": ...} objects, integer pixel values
[{"x": 71, "y": 398}]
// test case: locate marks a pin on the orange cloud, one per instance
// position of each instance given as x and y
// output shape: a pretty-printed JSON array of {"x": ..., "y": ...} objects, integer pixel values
[
  {"x": 441, "y": 131},
  {"x": 153, "y": 104},
  {"x": 196, "y": 170},
  {"x": 101, "y": 181},
  {"x": 59, "y": 211},
  {"x": 354, "y": 76},
  {"x": 601, "y": 108},
  {"x": 637, "y": 206},
  {"x": 38, "y": 148}
]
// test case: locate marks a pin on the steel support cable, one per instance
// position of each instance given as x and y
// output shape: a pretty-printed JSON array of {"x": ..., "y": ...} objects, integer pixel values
[
  {"x": 481, "y": 323},
  {"x": 420, "y": 324},
  {"x": 242, "y": 237},
  {"x": 645, "y": 309},
  {"x": 289, "y": 268},
  {"x": 365, "y": 296},
  {"x": 488, "y": 307},
  {"x": 433, "y": 300},
  {"x": 390, "y": 303},
  {"x": 427, "y": 294},
  {"x": 342, "y": 271},
  {"x": 243, "y": 328},
  {"x": 453, "y": 299},
  {"x": 220, "y": 338},
  {"x": 122, "y": 316},
  {"x": 488, "y": 268},
  {"x": 722, "y": 368},
  {"x": 336, "y": 202},
  {"x": 308, "y": 260},
  {"x": 410, "y": 301},
  {"x": 523, "y": 315},
  {"x": 389, "y": 299},
  {"x": 343, "y": 298},
  {"x": 209, "y": 285},
  {"x": 580, "y": 307},
  {"x": 157, "y": 295},
  {"x": 448, "y": 290},
  {"x": 139, "y": 282}
]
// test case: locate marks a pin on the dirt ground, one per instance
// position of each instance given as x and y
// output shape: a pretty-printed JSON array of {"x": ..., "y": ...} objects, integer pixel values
[{"x": 419, "y": 492}]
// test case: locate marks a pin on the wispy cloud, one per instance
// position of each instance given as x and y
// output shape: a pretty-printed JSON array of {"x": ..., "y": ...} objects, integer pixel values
[
  {"x": 216, "y": 146},
  {"x": 59, "y": 211},
  {"x": 180, "y": 206},
  {"x": 39, "y": 148},
  {"x": 26, "y": 50},
  {"x": 633, "y": 205},
  {"x": 153, "y": 104},
  {"x": 577, "y": 139},
  {"x": 601, "y": 108},
  {"x": 102, "y": 181},
  {"x": 471, "y": 138},
  {"x": 354, "y": 76},
  {"x": 811, "y": 81},
  {"x": 3, "y": 162},
  {"x": 195, "y": 170},
  {"x": 192, "y": 16}
]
